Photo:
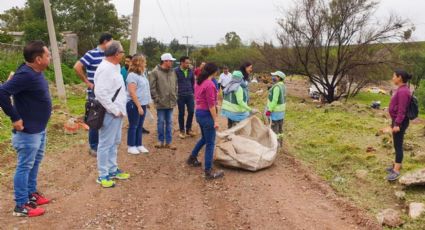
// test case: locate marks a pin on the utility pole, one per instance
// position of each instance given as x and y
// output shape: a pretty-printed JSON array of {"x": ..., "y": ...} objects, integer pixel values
[
  {"x": 187, "y": 44},
  {"x": 55, "y": 51},
  {"x": 134, "y": 27}
]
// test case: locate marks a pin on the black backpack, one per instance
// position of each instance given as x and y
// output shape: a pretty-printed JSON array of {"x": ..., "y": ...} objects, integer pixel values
[
  {"x": 413, "y": 108},
  {"x": 95, "y": 112}
]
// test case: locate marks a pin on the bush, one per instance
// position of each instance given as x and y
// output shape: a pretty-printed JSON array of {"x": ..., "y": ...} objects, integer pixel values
[{"x": 420, "y": 94}]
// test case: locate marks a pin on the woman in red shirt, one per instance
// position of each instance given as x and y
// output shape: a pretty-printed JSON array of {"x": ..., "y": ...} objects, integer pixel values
[
  {"x": 206, "y": 116},
  {"x": 398, "y": 110}
]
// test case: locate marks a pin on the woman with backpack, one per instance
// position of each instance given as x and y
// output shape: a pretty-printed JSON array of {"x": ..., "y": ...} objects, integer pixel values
[
  {"x": 399, "y": 106},
  {"x": 206, "y": 116}
]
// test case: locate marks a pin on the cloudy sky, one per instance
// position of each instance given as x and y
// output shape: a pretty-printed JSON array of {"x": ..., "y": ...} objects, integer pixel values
[{"x": 208, "y": 21}]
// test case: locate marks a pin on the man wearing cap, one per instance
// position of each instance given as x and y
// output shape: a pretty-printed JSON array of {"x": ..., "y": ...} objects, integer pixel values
[
  {"x": 163, "y": 83},
  {"x": 277, "y": 103}
]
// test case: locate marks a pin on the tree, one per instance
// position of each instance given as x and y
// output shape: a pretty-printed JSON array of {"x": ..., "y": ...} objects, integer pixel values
[
  {"x": 330, "y": 42},
  {"x": 152, "y": 49},
  {"x": 232, "y": 40},
  {"x": 11, "y": 19},
  {"x": 89, "y": 19}
]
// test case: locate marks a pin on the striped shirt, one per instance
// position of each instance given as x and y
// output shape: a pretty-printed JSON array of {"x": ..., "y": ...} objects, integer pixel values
[{"x": 91, "y": 61}]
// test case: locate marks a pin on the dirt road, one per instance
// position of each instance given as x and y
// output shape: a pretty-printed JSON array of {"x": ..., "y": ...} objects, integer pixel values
[{"x": 163, "y": 193}]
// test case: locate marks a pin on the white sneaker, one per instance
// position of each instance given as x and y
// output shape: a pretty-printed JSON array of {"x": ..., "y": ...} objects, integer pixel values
[
  {"x": 133, "y": 150},
  {"x": 142, "y": 149}
]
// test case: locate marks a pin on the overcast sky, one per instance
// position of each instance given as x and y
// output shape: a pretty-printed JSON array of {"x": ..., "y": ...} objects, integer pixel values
[{"x": 208, "y": 21}]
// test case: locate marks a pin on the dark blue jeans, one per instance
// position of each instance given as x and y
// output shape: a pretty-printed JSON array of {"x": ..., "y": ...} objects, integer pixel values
[
  {"x": 93, "y": 133},
  {"x": 135, "y": 126},
  {"x": 182, "y": 103},
  {"x": 30, "y": 148},
  {"x": 165, "y": 125},
  {"x": 208, "y": 131}
]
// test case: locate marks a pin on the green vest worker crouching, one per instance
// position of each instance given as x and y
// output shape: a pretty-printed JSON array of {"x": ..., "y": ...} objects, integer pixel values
[{"x": 235, "y": 106}]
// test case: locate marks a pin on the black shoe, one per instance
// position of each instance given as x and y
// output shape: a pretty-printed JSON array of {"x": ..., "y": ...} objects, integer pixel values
[
  {"x": 145, "y": 131},
  {"x": 210, "y": 175},
  {"x": 28, "y": 210},
  {"x": 193, "y": 161}
]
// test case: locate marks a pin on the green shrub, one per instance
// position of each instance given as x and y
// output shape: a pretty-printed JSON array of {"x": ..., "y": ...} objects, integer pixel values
[{"x": 420, "y": 94}]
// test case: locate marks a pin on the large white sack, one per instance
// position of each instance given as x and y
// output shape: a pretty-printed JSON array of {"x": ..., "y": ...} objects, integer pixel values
[{"x": 250, "y": 145}]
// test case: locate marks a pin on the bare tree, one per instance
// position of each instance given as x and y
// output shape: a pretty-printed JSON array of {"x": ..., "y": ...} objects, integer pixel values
[{"x": 335, "y": 41}]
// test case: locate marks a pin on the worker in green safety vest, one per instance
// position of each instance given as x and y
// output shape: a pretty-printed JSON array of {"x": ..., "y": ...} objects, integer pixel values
[
  {"x": 276, "y": 103},
  {"x": 235, "y": 98}
]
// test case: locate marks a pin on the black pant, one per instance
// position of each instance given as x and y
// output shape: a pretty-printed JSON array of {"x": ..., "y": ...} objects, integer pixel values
[
  {"x": 182, "y": 103},
  {"x": 398, "y": 139},
  {"x": 277, "y": 127}
]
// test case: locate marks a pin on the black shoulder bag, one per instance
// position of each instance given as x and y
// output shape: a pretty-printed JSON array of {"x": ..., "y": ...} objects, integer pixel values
[{"x": 95, "y": 112}]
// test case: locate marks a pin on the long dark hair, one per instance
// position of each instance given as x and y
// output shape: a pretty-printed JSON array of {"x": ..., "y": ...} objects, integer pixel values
[
  {"x": 208, "y": 70},
  {"x": 405, "y": 76},
  {"x": 243, "y": 70}
]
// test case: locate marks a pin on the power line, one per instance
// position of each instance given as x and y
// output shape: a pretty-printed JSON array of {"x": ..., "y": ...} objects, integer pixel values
[{"x": 165, "y": 18}]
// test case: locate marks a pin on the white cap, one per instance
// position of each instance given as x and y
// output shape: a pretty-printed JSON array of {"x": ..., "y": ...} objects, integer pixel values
[{"x": 167, "y": 57}]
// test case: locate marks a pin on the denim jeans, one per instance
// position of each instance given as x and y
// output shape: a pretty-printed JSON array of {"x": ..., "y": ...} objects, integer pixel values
[
  {"x": 93, "y": 133},
  {"x": 135, "y": 127},
  {"x": 182, "y": 103},
  {"x": 208, "y": 139},
  {"x": 109, "y": 140},
  {"x": 30, "y": 149},
  {"x": 165, "y": 125}
]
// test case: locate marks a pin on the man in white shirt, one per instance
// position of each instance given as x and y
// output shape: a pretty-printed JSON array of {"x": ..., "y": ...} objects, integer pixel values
[
  {"x": 225, "y": 78},
  {"x": 110, "y": 92}
]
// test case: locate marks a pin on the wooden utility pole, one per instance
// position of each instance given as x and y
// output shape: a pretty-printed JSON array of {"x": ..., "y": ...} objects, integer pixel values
[
  {"x": 187, "y": 44},
  {"x": 55, "y": 51},
  {"x": 134, "y": 27}
]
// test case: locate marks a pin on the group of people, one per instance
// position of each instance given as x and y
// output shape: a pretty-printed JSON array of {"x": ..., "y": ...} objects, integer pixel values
[
  {"x": 128, "y": 92},
  {"x": 125, "y": 92}
]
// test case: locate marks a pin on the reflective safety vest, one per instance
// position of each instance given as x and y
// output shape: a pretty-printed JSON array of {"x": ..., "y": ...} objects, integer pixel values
[
  {"x": 230, "y": 102},
  {"x": 280, "y": 106}
]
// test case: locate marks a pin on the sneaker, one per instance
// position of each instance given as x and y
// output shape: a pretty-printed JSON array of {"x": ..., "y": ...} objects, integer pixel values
[
  {"x": 170, "y": 146},
  {"x": 38, "y": 199},
  {"x": 145, "y": 131},
  {"x": 28, "y": 210},
  {"x": 182, "y": 135},
  {"x": 210, "y": 175},
  {"x": 93, "y": 153},
  {"x": 106, "y": 182},
  {"x": 120, "y": 175},
  {"x": 190, "y": 133},
  {"x": 389, "y": 169},
  {"x": 393, "y": 176},
  {"x": 142, "y": 149},
  {"x": 193, "y": 161},
  {"x": 159, "y": 145},
  {"x": 133, "y": 150}
]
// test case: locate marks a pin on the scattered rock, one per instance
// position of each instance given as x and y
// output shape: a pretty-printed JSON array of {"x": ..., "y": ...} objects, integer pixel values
[
  {"x": 413, "y": 178},
  {"x": 416, "y": 210},
  {"x": 401, "y": 195},
  {"x": 389, "y": 217},
  {"x": 336, "y": 103},
  {"x": 370, "y": 149},
  {"x": 339, "y": 179},
  {"x": 408, "y": 147},
  {"x": 361, "y": 173}
]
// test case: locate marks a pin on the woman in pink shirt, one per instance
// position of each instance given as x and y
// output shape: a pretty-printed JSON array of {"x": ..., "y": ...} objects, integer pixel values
[
  {"x": 398, "y": 110},
  {"x": 206, "y": 116}
]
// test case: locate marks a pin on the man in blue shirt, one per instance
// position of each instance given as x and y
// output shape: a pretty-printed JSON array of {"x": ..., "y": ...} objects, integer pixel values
[
  {"x": 124, "y": 69},
  {"x": 85, "y": 69},
  {"x": 29, "y": 114}
]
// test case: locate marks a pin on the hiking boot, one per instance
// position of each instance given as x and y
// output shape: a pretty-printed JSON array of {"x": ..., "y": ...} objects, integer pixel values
[
  {"x": 38, "y": 199},
  {"x": 170, "y": 146},
  {"x": 133, "y": 150},
  {"x": 28, "y": 210},
  {"x": 93, "y": 153},
  {"x": 106, "y": 182},
  {"x": 190, "y": 133},
  {"x": 182, "y": 135},
  {"x": 120, "y": 175},
  {"x": 210, "y": 175},
  {"x": 393, "y": 176},
  {"x": 159, "y": 145},
  {"x": 145, "y": 131},
  {"x": 193, "y": 161}
]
